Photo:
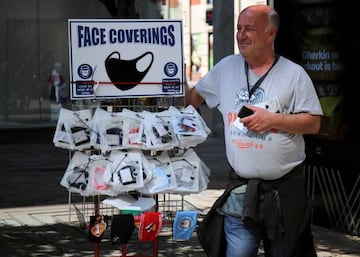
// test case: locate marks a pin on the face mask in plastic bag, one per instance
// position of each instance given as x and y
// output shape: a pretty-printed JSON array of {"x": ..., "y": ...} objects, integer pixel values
[
  {"x": 125, "y": 173},
  {"x": 73, "y": 129},
  {"x": 160, "y": 131},
  {"x": 99, "y": 114},
  {"x": 111, "y": 132},
  {"x": 76, "y": 176},
  {"x": 188, "y": 126},
  {"x": 191, "y": 173},
  {"x": 163, "y": 178},
  {"x": 133, "y": 130}
]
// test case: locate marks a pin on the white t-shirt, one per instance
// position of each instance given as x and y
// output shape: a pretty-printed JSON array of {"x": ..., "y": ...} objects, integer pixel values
[{"x": 268, "y": 155}]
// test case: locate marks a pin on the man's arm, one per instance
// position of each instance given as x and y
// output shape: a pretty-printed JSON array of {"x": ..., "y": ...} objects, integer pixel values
[
  {"x": 192, "y": 97},
  {"x": 300, "y": 123}
]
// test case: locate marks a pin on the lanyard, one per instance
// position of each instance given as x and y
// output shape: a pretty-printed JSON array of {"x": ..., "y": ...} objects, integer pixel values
[{"x": 260, "y": 80}]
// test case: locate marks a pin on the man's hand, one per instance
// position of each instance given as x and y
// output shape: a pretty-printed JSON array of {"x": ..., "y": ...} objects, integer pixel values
[{"x": 260, "y": 121}]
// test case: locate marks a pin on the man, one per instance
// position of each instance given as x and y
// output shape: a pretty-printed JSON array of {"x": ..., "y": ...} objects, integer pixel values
[{"x": 265, "y": 199}]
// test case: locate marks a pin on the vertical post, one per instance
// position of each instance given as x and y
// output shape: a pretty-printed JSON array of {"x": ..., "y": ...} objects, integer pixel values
[
  {"x": 223, "y": 44},
  {"x": 97, "y": 211}
]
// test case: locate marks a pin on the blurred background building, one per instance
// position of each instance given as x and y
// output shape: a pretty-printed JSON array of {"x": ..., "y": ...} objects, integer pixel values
[{"x": 35, "y": 36}]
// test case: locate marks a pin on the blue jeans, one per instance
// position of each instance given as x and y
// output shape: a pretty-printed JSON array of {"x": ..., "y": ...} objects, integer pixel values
[{"x": 243, "y": 240}]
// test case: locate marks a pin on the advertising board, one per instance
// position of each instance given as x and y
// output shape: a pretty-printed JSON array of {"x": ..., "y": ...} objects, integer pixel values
[{"x": 125, "y": 58}]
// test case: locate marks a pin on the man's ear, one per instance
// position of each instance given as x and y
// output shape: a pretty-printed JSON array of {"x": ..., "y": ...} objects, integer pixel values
[{"x": 272, "y": 34}]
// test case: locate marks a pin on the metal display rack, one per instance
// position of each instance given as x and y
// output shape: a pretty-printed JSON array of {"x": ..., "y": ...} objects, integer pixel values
[{"x": 167, "y": 204}]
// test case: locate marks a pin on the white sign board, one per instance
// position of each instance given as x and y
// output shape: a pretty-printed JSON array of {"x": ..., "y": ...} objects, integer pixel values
[{"x": 124, "y": 58}]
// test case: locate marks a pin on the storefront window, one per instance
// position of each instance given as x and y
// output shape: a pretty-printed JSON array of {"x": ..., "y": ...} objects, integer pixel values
[{"x": 317, "y": 48}]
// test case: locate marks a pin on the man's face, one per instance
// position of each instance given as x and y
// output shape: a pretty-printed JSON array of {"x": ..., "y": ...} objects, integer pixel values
[{"x": 251, "y": 33}]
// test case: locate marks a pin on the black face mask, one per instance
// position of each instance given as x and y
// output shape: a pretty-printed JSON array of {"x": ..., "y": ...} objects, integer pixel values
[{"x": 123, "y": 73}]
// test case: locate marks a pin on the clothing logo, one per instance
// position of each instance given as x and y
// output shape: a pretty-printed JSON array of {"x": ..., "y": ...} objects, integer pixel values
[
  {"x": 242, "y": 97},
  {"x": 124, "y": 74}
]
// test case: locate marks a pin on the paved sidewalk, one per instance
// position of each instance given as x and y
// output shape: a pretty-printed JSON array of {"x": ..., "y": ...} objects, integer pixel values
[
  {"x": 35, "y": 218},
  {"x": 49, "y": 231}
]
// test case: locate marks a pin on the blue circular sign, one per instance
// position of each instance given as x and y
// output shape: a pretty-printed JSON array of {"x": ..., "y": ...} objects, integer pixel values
[
  {"x": 170, "y": 69},
  {"x": 85, "y": 71}
]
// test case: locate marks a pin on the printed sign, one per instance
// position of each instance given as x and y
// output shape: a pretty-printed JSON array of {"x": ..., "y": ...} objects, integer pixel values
[{"x": 124, "y": 58}]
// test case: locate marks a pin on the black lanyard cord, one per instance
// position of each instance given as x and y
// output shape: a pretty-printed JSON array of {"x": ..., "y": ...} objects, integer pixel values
[{"x": 260, "y": 80}]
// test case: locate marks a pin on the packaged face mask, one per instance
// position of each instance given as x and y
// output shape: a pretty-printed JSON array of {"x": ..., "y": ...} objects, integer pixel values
[
  {"x": 73, "y": 129},
  {"x": 184, "y": 224},
  {"x": 150, "y": 226},
  {"x": 122, "y": 227},
  {"x": 125, "y": 172},
  {"x": 98, "y": 225}
]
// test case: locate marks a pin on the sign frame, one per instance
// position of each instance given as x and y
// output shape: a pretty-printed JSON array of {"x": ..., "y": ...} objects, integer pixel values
[{"x": 125, "y": 58}]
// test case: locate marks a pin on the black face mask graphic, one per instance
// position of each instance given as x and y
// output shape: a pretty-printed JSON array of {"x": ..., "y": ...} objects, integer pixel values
[{"x": 123, "y": 73}]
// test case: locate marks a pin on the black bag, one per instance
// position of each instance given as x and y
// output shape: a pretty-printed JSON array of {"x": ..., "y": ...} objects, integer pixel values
[{"x": 210, "y": 231}]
